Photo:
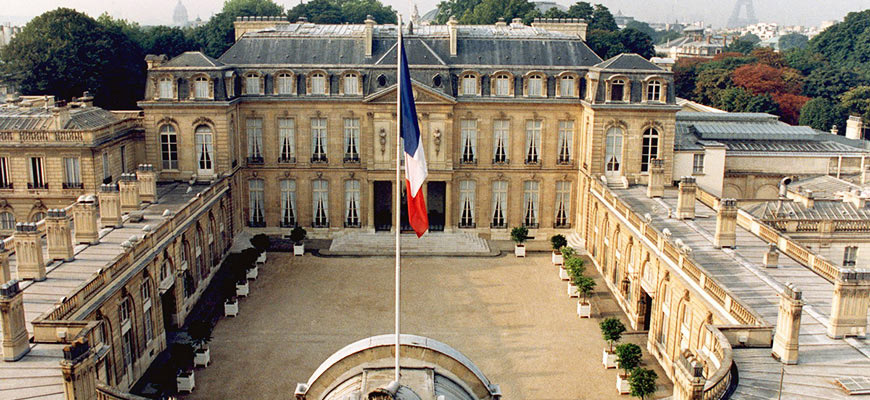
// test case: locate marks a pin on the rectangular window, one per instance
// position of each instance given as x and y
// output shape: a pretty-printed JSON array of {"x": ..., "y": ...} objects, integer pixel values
[
  {"x": 252, "y": 84},
  {"x": 166, "y": 88},
  {"x": 666, "y": 313},
  {"x": 536, "y": 84},
  {"x": 850, "y": 256},
  {"x": 530, "y": 204},
  {"x": 499, "y": 204},
  {"x": 200, "y": 86},
  {"x": 37, "y": 174},
  {"x": 5, "y": 178},
  {"x": 698, "y": 164},
  {"x": 287, "y": 140},
  {"x": 288, "y": 203},
  {"x": 566, "y": 141},
  {"x": 254, "y": 130},
  {"x": 351, "y": 84},
  {"x": 500, "y": 138},
  {"x": 469, "y": 141},
  {"x": 318, "y": 84},
  {"x": 320, "y": 203},
  {"x": 654, "y": 91},
  {"x": 146, "y": 310},
  {"x": 107, "y": 172},
  {"x": 466, "y": 203},
  {"x": 502, "y": 85},
  {"x": 567, "y": 87},
  {"x": 469, "y": 85},
  {"x": 168, "y": 147},
  {"x": 318, "y": 140},
  {"x": 533, "y": 141},
  {"x": 351, "y": 139},
  {"x": 127, "y": 339},
  {"x": 257, "y": 212},
  {"x": 72, "y": 174},
  {"x": 351, "y": 204},
  {"x": 563, "y": 204},
  {"x": 123, "y": 151},
  {"x": 285, "y": 84}
]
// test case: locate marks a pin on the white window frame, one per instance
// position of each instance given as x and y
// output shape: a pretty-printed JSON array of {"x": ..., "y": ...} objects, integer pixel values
[
  {"x": 563, "y": 205},
  {"x": 320, "y": 203},
  {"x": 502, "y": 85},
  {"x": 256, "y": 203},
  {"x": 201, "y": 87},
  {"x": 351, "y": 84},
  {"x": 352, "y": 203},
  {"x": 468, "y": 154},
  {"x": 650, "y": 147},
  {"x": 146, "y": 310},
  {"x": 289, "y": 217},
  {"x": 568, "y": 86},
  {"x": 469, "y": 84},
  {"x": 7, "y": 221},
  {"x": 613, "y": 84},
  {"x": 698, "y": 163},
  {"x": 318, "y": 84},
  {"x": 850, "y": 256},
  {"x": 252, "y": 84},
  {"x": 166, "y": 88},
  {"x": 287, "y": 140},
  {"x": 467, "y": 192},
  {"x": 204, "y": 139},
  {"x": 72, "y": 172},
  {"x": 533, "y": 141},
  {"x": 254, "y": 131},
  {"x": 536, "y": 86},
  {"x": 531, "y": 203},
  {"x": 351, "y": 140},
  {"x": 499, "y": 204},
  {"x": 284, "y": 83},
  {"x": 319, "y": 143},
  {"x": 654, "y": 90},
  {"x": 566, "y": 141},
  {"x": 664, "y": 323},
  {"x": 168, "y": 147},
  {"x": 501, "y": 141}
]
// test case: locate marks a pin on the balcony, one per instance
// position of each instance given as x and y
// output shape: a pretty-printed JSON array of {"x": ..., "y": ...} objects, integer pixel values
[
  {"x": 257, "y": 224},
  {"x": 286, "y": 160},
  {"x": 36, "y": 186},
  {"x": 498, "y": 225},
  {"x": 288, "y": 224},
  {"x": 351, "y": 224},
  {"x": 351, "y": 159},
  {"x": 501, "y": 161},
  {"x": 533, "y": 161},
  {"x": 319, "y": 159},
  {"x": 468, "y": 159},
  {"x": 320, "y": 224},
  {"x": 467, "y": 225},
  {"x": 564, "y": 161},
  {"x": 70, "y": 185},
  {"x": 6, "y": 186},
  {"x": 257, "y": 160},
  {"x": 562, "y": 225},
  {"x": 531, "y": 225}
]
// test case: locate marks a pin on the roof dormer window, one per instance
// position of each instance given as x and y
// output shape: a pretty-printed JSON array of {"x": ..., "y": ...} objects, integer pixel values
[
  {"x": 166, "y": 88},
  {"x": 618, "y": 90},
  {"x": 655, "y": 91},
  {"x": 253, "y": 84},
  {"x": 350, "y": 84},
  {"x": 502, "y": 86},
  {"x": 284, "y": 83},
  {"x": 535, "y": 86},
  {"x": 201, "y": 87},
  {"x": 469, "y": 84},
  {"x": 317, "y": 85},
  {"x": 568, "y": 86}
]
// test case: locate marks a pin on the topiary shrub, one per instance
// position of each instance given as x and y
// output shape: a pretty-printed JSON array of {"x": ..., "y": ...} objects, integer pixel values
[
  {"x": 261, "y": 242},
  {"x": 298, "y": 234},
  {"x": 558, "y": 242},
  {"x": 628, "y": 357},
  {"x": 642, "y": 382},
  {"x": 612, "y": 330},
  {"x": 519, "y": 234}
]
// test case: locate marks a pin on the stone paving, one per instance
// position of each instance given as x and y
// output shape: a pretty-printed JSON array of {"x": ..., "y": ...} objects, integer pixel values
[{"x": 510, "y": 316}]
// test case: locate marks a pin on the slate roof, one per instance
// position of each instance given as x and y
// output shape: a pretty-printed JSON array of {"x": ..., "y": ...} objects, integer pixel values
[
  {"x": 39, "y": 118},
  {"x": 193, "y": 59},
  {"x": 629, "y": 61},
  {"x": 821, "y": 210},
  {"x": 822, "y": 186}
]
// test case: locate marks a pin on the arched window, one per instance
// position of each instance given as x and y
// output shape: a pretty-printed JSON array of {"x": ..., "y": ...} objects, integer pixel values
[
  {"x": 252, "y": 83},
  {"x": 7, "y": 221},
  {"x": 201, "y": 87},
  {"x": 617, "y": 90},
  {"x": 125, "y": 316},
  {"x": 168, "y": 146},
  {"x": 567, "y": 86},
  {"x": 536, "y": 86},
  {"x": 166, "y": 88},
  {"x": 350, "y": 84},
  {"x": 650, "y": 150},
  {"x": 318, "y": 83},
  {"x": 38, "y": 216},
  {"x": 284, "y": 83},
  {"x": 502, "y": 86},
  {"x": 665, "y": 318},
  {"x": 469, "y": 84},
  {"x": 204, "y": 150},
  {"x": 654, "y": 90}
]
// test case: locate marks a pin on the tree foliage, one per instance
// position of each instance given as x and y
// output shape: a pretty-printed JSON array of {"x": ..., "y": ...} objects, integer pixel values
[
  {"x": 489, "y": 11},
  {"x": 857, "y": 102},
  {"x": 343, "y": 11},
  {"x": 628, "y": 356},
  {"x": 793, "y": 41},
  {"x": 608, "y": 44},
  {"x": 611, "y": 330},
  {"x": 218, "y": 34},
  {"x": 602, "y": 19},
  {"x": 643, "y": 382},
  {"x": 846, "y": 44},
  {"x": 822, "y": 114},
  {"x": 64, "y": 53},
  {"x": 830, "y": 82},
  {"x": 740, "y": 45}
]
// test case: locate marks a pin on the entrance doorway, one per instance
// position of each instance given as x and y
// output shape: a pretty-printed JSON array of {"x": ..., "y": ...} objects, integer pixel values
[
  {"x": 383, "y": 205},
  {"x": 435, "y": 202},
  {"x": 646, "y": 304},
  {"x": 167, "y": 301}
]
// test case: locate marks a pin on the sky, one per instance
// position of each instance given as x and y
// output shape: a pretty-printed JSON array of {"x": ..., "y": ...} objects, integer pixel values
[{"x": 712, "y": 12}]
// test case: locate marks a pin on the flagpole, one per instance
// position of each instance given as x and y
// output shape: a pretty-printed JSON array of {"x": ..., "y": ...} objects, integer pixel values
[{"x": 398, "y": 188}]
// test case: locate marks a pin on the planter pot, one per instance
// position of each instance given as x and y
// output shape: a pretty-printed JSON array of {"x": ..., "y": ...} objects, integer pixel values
[
  {"x": 572, "y": 291},
  {"x": 563, "y": 274},
  {"x": 185, "y": 382},
  {"x": 299, "y": 249},
  {"x": 608, "y": 359},
  {"x": 242, "y": 289},
  {"x": 584, "y": 310},
  {"x": 253, "y": 273},
  {"x": 231, "y": 309},
  {"x": 557, "y": 258},
  {"x": 202, "y": 358},
  {"x": 520, "y": 250},
  {"x": 622, "y": 385}
]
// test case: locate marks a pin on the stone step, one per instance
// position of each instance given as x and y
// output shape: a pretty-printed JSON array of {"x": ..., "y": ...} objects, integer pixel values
[{"x": 431, "y": 243}]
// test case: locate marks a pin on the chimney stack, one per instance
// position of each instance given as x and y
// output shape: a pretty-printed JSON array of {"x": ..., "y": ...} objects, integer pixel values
[
  {"x": 85, "y": 218},
  {"x": 129, "y": 188},
  {"x": 788, "y": 325},
  {"x": 16, "y": 340},
  {"x": 686, "y": 198},
  {"x": 726, "y": 224},
  {"x": 656, "y": 185},
  {"x": 369, "y": 34},
  {"x": 110, "y": 206},
  {"x": 5, "y": 272},
  {"x": 854, "y": 127},
  {"x": 58, "y": 235},
  {"x": 454, "y": 35},
  {"x": 28, "y": 252}
]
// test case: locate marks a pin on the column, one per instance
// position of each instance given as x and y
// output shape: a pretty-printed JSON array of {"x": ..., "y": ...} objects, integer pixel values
[
  {"x": 58, "y": 235},
  {"x": 28, "y": 252},
  {"x": 79, "y": 371},
  {"x": 448, "y": 206},
  {"x": 110, "y": 206},
  {"x": 147, "y": 183},
  {"x": 5, "y": 272},
  {"x": 849, "y": 306},
  {"x": 686, "y": 198},
  {"x": 15, "y": 341},
  {"x": 726, "y": 224},
  {"x": 85, "y": 217},
  {"x": 370, "y": 207},
  {"x": 129, "y": 189},
  {"x": 788, "y": 325},
  {"x": 656, "y": 185}
]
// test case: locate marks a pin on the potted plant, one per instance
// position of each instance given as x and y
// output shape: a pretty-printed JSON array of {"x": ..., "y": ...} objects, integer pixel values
[
  {"x": 585, "y": 285},
  {"x": 249, "y": 257},
  {"x": 558, "y": 242},
  {"x": 245, "y": 261},
  {"x": 182, "y": 358},
  {"x": 643, "y": 383},
  {"x": 297, "y": 235},
  {"x": 628, "y": 357},
  {"x": 261, "y": 242},
  {"x": 611, "y": 330},
  {"x": 200, "y": 335},
  {"x": 231, "y": 305},
  {"x": 519, "y": 235},
  {"x": 573, "y": 269}
]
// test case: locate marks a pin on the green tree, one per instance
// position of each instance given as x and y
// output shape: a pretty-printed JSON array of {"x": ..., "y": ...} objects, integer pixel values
[
  {"x": 642, "y": 27},
  {"x": 608, "y": 44},
  {"x": 628, "y": 356},
  {"x": 793, "y": 41},
  {"x": 218, "y": 34},
  {"x": 555, "y": 12},
  {"x": 489, "y": 11},
  {"x": 804, "y": 60},
  {"x": 611, "y": 330},
  {"x": 581, "y": 9},
  {"x": 454, "y": 8},
  {"x": 822, "y": 114},
  {"x": 762, "y": 103},
  {"x": 709, "y": 83},
  {"x": 317, "y": 11},
  {"x": 830, "y": 82},
  {"x": 635, "y": 41},
  {"x": 643, "y": 383},
  {"x": 857, "y": 102},
  {"x": 171, "y": 41},
  {"x": 734, "y": 99},
  {"x": 343, "y": 11},
  {"x": 740, "y": 46},
  {"x": 846, "y": 44},
  {"x": 64, "y": 53},
  {"x": 602, "y": 19}
]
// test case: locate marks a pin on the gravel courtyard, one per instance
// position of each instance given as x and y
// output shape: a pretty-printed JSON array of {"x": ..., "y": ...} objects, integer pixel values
[{"x": 510, "y": 316}]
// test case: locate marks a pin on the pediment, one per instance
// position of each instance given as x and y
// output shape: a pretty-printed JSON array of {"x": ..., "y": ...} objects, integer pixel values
[{"x": 422, "y": 95}]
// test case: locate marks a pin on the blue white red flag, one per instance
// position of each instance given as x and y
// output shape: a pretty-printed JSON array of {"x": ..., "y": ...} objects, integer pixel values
[{"x": 415, "y": 160}]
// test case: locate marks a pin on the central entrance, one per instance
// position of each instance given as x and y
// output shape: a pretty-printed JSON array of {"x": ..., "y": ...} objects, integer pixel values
[
  {"x": 383, "y": 205},
  {"x": 435, "y": 204}
]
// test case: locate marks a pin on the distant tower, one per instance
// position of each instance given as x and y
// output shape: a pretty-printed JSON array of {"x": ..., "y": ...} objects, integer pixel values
[
  {"x": 415, "y": 14},
  {"x": 736, "y": 21},
  {"x": 179, "y": 16}
]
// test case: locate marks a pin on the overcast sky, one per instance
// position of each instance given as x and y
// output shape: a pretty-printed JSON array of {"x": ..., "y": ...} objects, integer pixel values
[{"x": 715, "y": 12}]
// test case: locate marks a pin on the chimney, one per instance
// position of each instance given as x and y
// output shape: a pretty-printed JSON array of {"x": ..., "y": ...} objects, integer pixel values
[
  {"x": 454, "y": 35},
  {"x": 5, "y": 272},
  {"x": 726, "y": 224},
  {"x": 834, "y": 130},
  {"x": 58, "y": 235},
  {"x": 788, "y": 325},
  {"x": 369, "y": 34},
  {"x": 686, "y": 198},
  {"x": 154, "y": 61},
  {"x": 147, "y": 183},
  {"x": 501, "y": 22},
  {"x": 28, "y": 252},
  {"x": 85, "y": 218},
  {"x": 854, "y": 127},
  {"x": 849, "y": 305},
  {"x": 61, "y": 117},
  {"x": 16, "y": 340},
  {"x": 79, "y": 371},
  {"x": 771, "y": 258},
  {"x": 87, "y": 100},
  {"x": 110, "y": 206},
  {"x": 129, "y": 188},
  {"x": 656, "y": 185}
]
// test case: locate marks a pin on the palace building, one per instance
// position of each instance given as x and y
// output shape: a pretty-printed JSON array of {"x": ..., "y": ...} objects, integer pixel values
[{"x": 295, "y": 125}]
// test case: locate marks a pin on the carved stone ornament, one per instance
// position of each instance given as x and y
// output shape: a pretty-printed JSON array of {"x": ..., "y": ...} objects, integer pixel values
[
  {"x": 437, "y": 135},
  {"x": 286, "y": 174},
  {"x": 383, "y": 140},
  {"x": 319, "y": 175}
]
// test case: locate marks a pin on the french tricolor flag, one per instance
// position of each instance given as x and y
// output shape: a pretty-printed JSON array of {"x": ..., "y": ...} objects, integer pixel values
[{"x": 415, "y": 160}]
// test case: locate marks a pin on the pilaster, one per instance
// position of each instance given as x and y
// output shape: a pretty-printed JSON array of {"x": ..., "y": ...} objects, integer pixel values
[
  {"x": 110, "y": 206},
  {"x": 15, "y": 341},
  {"x": 726, "y": 224},
  {"x": 85, "y": 218},
  {"x": 788, "y": 325},
  {"x": 58, "y": 235},
  {"x": 28, "y": 252}
]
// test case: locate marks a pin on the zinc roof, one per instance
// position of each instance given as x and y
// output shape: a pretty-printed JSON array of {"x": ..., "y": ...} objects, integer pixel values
[{"x": 40, "y": 118}]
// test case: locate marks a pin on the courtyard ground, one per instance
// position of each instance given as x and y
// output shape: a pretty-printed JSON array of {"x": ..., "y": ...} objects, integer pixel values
[{"x": 510, "y": 316}]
